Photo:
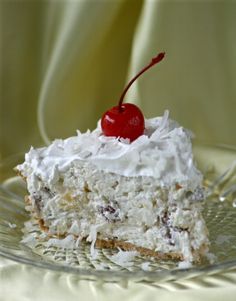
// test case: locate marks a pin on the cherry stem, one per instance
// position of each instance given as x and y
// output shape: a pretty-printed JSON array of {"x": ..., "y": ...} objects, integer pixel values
[{"x": 153, "y": 62}]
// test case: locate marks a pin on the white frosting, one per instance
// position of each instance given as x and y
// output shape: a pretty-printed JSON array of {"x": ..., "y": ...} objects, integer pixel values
[{"x": 164, "y": 152}]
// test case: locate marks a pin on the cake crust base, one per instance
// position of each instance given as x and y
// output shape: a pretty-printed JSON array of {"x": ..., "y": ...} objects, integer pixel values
[{"x": 127, "y": 246}]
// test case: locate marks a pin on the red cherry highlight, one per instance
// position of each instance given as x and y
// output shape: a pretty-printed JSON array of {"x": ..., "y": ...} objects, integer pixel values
[{"x": 127, "y": 120}]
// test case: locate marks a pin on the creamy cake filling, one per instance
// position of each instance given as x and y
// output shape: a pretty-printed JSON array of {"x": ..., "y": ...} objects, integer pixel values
[{"x": 90, "y": 204}]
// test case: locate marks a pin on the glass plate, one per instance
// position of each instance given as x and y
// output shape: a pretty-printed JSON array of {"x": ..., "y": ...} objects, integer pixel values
[{"x": 220, "y": 217}]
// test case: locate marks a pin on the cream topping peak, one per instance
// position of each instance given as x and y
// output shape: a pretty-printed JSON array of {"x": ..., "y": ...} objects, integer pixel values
[{"x": 164, "y": 152}]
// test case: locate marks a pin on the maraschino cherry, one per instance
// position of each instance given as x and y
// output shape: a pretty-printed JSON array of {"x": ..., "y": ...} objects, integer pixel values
[{"x": 126, "y": 120}]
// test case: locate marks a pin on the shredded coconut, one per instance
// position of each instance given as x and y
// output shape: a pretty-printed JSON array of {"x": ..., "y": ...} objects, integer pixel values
[
  {"x": 184, "y": 265},
  {"x": 78, "y": 240},
  {"x": 66, "y": 243},
  {"x": 92, "y": 238},
  {"x": 211, "y": 257},
  {"x": 124, "y": 258},
  {"x": 145, "y": 266},
  {"x": 12, "y": 226},
  {"x": 30, "y": 240},
  {"x": 163, "y": 125}
]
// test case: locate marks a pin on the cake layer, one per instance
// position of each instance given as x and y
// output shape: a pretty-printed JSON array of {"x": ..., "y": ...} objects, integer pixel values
[{"x": 91, "y": 204}]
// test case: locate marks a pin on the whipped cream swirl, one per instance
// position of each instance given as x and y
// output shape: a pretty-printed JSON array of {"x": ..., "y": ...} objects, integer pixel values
[{"x": 164, "y": 152}]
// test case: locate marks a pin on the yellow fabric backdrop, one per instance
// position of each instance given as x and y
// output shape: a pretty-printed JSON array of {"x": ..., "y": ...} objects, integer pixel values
[
  {"x": 63, "y": 63},
  {"x": 70, "y": 60}
]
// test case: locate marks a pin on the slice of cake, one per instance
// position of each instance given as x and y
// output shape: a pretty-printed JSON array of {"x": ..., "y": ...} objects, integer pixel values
[
  {"x": 130, "y": 184},
  {"x": 143, "y": 195}
]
